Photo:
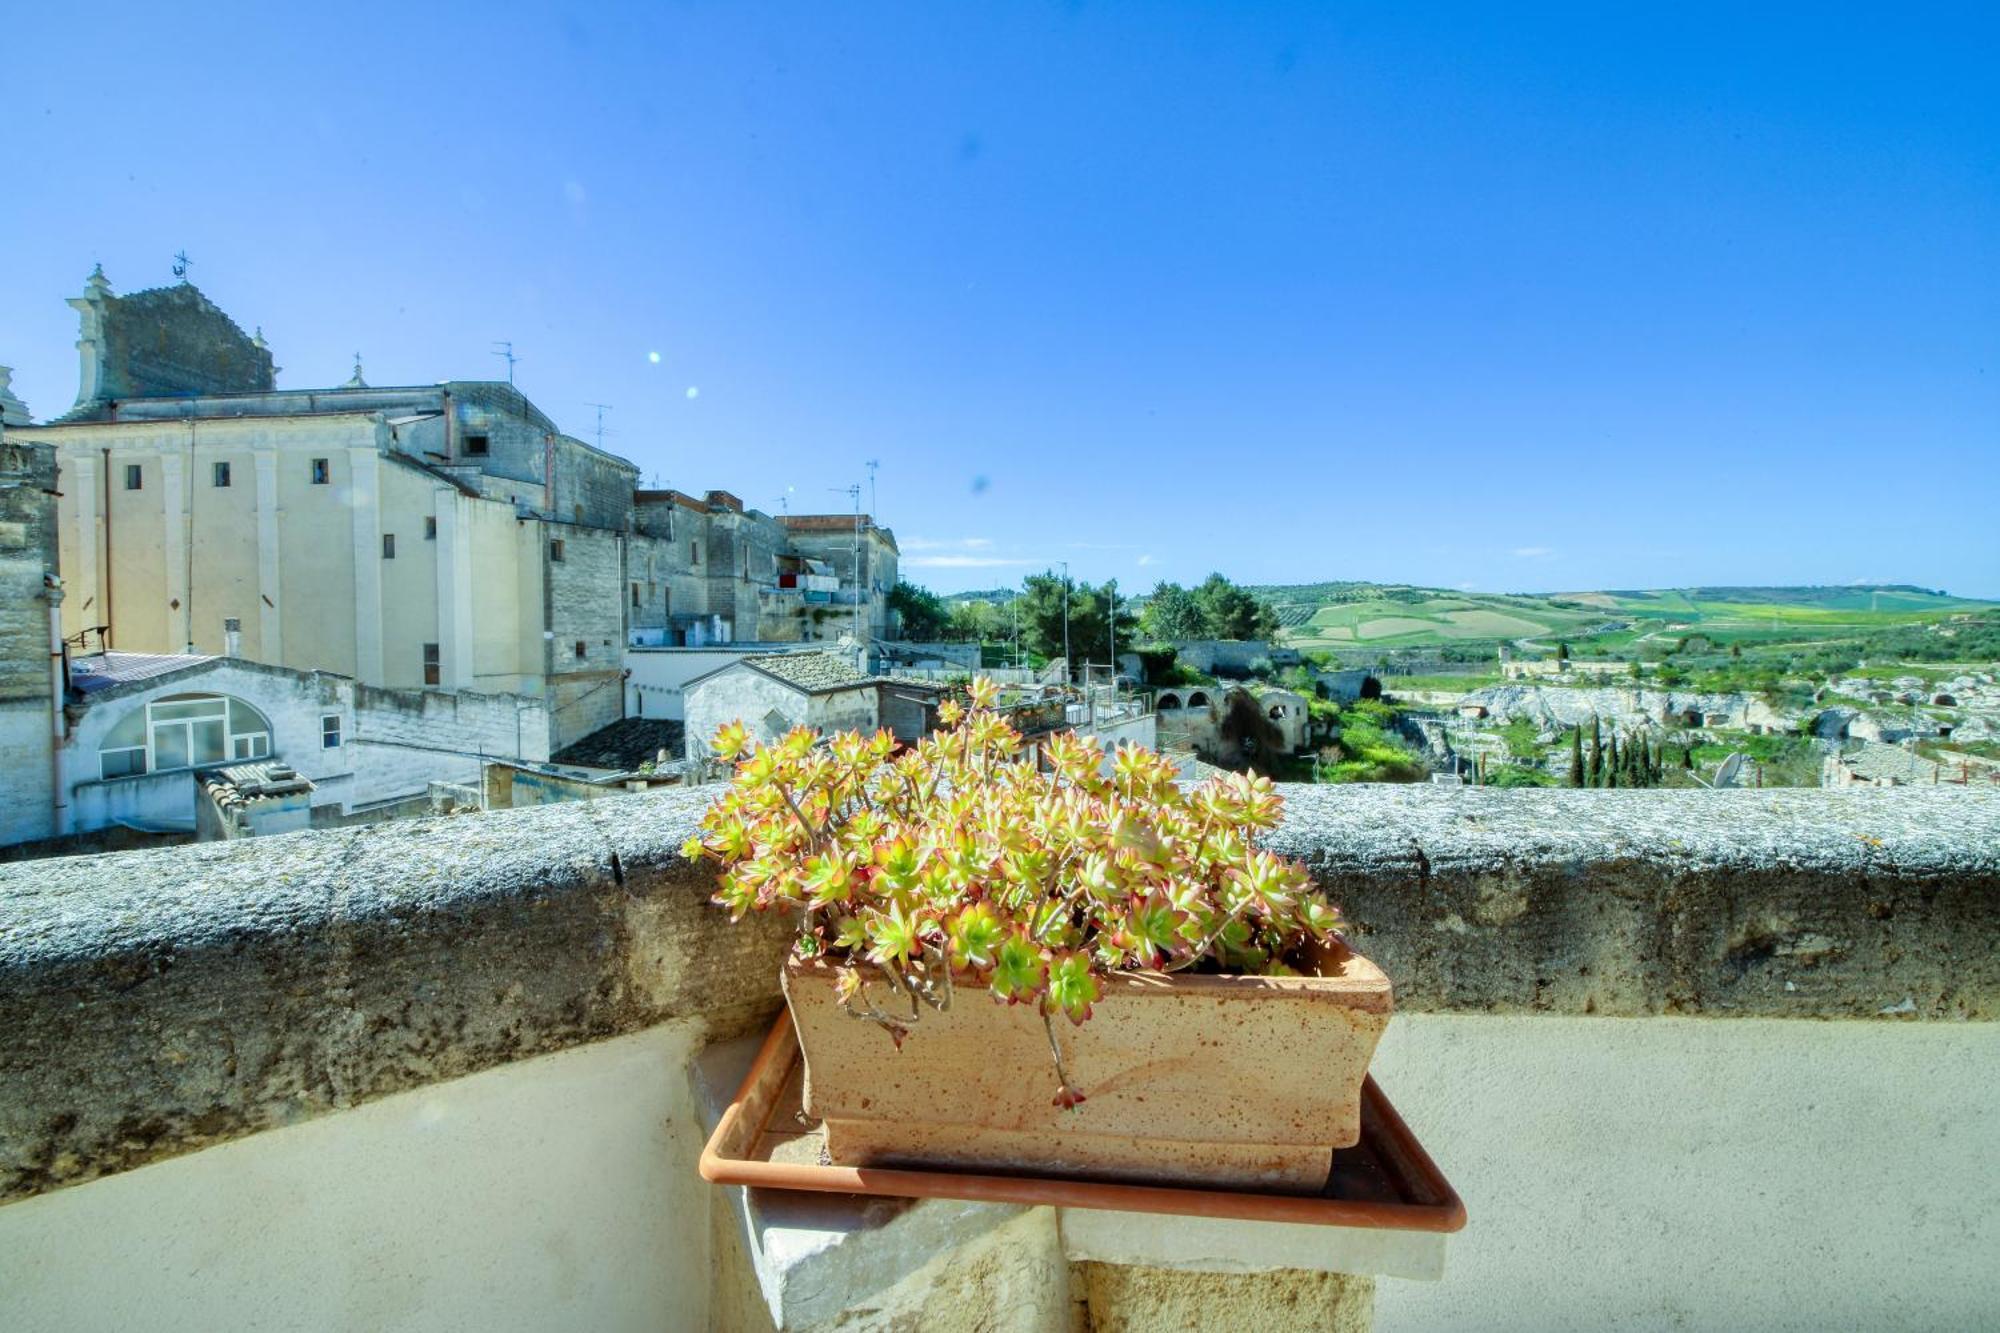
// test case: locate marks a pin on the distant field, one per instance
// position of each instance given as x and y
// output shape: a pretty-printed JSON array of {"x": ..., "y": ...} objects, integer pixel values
[{"x": 1349, "y": 615}]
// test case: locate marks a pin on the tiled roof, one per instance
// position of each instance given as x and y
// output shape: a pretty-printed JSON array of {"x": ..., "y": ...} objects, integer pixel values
[
  {"x": 100, "y": 671},
  {"x": 815, "y": 673},
  {"x": 624, "y": 745}
]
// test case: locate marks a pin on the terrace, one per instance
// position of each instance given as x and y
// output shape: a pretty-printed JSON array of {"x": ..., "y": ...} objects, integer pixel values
[{"x": 1708, "y": 1059}]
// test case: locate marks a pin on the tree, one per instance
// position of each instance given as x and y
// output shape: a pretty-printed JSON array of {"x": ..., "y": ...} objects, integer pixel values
[
  {"x": 1041, "y": 612},
  {"x": 1172, "y": 614},
  {"x": 1736, "y": 650},
  {"x": 1611, "y": 762},
  {"x": 1596, "y": 752},
  {"x": 1562, "y": 652},
  {"x": 1230, "y": 612},
  {"x": 1576, "y": 756},
  {"x": 979, "y": 621},
  {"x": 923, "y": 613}
]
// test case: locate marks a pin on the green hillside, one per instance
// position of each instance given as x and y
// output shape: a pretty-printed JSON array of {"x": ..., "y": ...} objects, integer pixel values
[{"x": 1371, "y": 615}]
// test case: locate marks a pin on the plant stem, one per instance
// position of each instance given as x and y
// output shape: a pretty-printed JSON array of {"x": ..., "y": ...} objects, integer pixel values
[{"x": 1069, "y": 1094}]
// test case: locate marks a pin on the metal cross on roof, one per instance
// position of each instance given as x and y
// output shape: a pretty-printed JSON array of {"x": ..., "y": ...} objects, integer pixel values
[{"x": 182, "y": 264}]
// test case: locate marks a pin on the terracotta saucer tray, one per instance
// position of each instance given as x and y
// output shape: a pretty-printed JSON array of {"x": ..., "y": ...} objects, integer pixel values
[{"x": 1385, "y": 1181}]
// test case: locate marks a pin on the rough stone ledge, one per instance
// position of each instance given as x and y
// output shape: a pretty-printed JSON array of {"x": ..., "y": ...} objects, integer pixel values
[
  {"x": 156, "y": 1002},
  {"x": 1782, "y": 903}
]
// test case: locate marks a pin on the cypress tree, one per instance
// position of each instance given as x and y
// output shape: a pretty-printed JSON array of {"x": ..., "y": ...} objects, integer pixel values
[
  {"x": 1576, "y": 756},
  {"x": 1596, "y": 753},
  {"x": 1611, "y": 761}
]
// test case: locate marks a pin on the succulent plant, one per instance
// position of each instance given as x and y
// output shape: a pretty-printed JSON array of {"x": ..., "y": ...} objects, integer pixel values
[{"x": 964, "y": 862}]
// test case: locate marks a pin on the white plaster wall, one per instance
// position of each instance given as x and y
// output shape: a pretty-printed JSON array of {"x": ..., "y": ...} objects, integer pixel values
[
  {"x": 1704, "y": 1173},
  {"x": 156, "y": 801},
  {"x": 655, "y": 687},
  {"x": 556, "y": 1193}
]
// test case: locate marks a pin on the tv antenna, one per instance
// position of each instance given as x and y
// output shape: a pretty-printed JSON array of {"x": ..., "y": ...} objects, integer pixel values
[
  {"x": 602, "y": 408},
  {"x": 505, "y": 350},
  {"x": 182, "y": 264},
  {"x": 785, "y": 501},
  {"x": 872, "y": 465},
  {"x": 853, "y": 491}
]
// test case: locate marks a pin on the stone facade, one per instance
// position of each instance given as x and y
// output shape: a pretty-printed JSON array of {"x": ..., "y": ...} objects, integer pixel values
[
  {"x": 770, "y": 705},
  {"x": 28, "y": 588},
  {"x": 170, "y": 340}
]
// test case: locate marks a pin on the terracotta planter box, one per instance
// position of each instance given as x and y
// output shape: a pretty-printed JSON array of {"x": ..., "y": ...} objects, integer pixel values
[{"x": 1246, "y": 1082}]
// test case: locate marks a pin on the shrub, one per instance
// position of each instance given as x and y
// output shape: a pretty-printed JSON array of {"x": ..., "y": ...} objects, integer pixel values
[{"x": 956, "y": 864}]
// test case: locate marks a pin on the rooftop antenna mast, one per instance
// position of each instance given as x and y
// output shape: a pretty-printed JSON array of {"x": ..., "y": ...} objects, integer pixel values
[
  {"x": 602, "y": 408},
  {"x": 853, "y": 492},
  {"x": 505, "y": 350},
  {"x": 873, "y": 512}
]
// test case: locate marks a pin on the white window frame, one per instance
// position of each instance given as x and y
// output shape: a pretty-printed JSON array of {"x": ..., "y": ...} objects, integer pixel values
[
  {"x": 329, "y": 726},
  {"x": 237, "y": 746}
]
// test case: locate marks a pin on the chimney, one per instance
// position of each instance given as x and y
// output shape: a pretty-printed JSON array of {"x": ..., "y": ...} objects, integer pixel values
[{"x": 232, "y": 637}]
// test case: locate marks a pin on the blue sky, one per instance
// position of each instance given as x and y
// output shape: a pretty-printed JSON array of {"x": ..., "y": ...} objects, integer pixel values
[{"x": 1468, "y": 296}]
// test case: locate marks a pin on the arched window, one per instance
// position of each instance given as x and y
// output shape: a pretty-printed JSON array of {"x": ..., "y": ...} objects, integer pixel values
[
  {"x": 1197, "y": 700},
  {"x": 1168, "y": 701},
  {"x": 184, "y": 731},
  {"x": 1277, "y": 711}
]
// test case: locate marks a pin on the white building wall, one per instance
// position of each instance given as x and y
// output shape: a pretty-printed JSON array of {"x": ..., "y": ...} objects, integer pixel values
[
  {"x": 658, "y": 677},
  {"x": 556, "y": 1193},
  {"x": 1703, "y": 1173},
  {"x": 406, "y": 739}
]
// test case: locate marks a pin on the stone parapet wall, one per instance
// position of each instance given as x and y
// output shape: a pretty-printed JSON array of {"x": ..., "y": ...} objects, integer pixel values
[
  {"x": 1793, "y": 903},
  {"x": 159, "y": 1002}
]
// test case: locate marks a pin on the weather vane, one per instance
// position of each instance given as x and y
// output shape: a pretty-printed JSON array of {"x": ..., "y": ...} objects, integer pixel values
[{"x": 182, "y": 264}]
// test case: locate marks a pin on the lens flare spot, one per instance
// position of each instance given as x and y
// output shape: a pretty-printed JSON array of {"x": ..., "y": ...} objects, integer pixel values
[
  {"x": 693, "y": 392},
  {"x": 653, "y": 357}
]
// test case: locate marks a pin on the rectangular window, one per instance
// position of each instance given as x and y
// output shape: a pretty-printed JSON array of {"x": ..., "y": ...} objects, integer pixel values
[
  {"x": 556, "y": 549},
  {"x": 430, "y": 528},
  {"x": 388, "y": 546},
  {"x": 329, "y": 731},
  {"x": 321, "y": 472},
  {"x": 134, "y": 477},
  {"x": 475, "y": 445},
  {"x": 694, "y": 554},
  {"x": 580, "y": 650},
  {"x": 125, "y": 763},
  {"x": 635, "y": 597},
  {"x": 222, "y": 474},
  {"x": 432, "y": 673}
]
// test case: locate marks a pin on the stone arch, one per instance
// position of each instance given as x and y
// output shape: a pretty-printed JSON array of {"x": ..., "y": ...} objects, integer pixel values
[
  {"x": 1371, "y": 688},
  {"x": 1168, "y": 701},
  {"x": 1197, "y": 700}
]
